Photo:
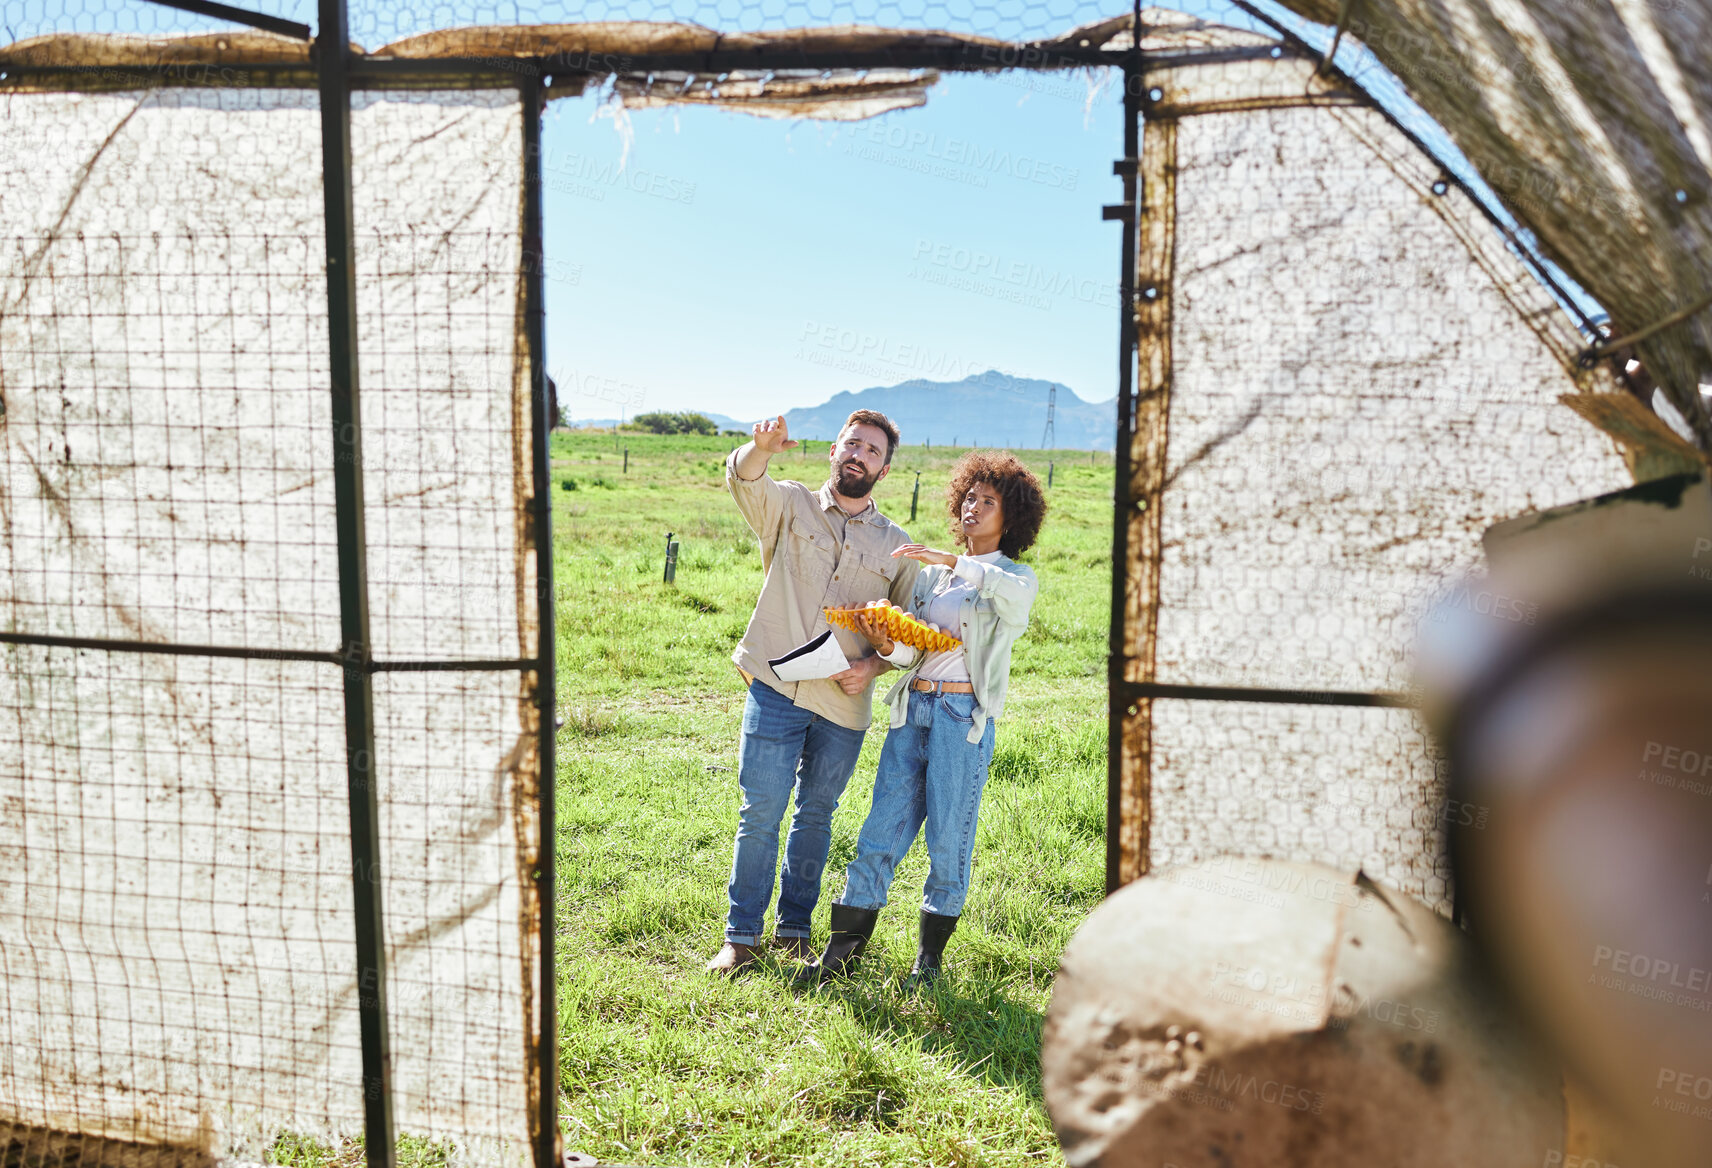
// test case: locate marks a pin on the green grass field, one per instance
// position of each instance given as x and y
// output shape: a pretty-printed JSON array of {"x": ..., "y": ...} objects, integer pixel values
[{"x": 661, "y": 1063}]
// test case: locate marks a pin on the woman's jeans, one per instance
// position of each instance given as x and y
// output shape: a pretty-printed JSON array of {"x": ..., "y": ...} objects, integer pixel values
[
  {"x": 929, "y": 773},
  {"x": 783, "y": 748}
]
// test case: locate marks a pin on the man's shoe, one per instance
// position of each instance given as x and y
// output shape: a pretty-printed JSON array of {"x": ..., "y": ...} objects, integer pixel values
[
  {"x": 800, "y": 948},
  {"x": 935, "y": 932},
  {"x": 732, "y": 959},
  {"x": 851, "y": 928}
]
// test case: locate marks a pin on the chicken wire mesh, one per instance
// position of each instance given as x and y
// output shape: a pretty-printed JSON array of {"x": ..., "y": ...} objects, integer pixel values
[
  {"x": 1291, "y": 394},
  {"x": 176, "y": 905},
  {"x": 1347, "y": 375},
  {"x": 374, "y": 23},
  {"x": 178, "y": 972},
  {"x": 1346, "y": 785}
]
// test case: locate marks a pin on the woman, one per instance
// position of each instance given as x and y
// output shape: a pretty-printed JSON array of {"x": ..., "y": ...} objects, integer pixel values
[{"x": 934, "y": 763}]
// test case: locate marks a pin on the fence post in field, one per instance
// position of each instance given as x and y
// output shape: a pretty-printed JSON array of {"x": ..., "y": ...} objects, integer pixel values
[
  {"x": 671, "y": 576},
  {"x": 914, "y": 495},
  {"x": 627, "y": 460},
  {"x": 1049, "y": 473}
]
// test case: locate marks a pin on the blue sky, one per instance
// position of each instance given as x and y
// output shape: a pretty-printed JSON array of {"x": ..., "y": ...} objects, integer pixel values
[{"x": 745, "y": 265}]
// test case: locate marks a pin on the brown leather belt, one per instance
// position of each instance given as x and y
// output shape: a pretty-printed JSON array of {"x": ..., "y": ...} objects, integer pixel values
[{"x": 922, "y": 685}]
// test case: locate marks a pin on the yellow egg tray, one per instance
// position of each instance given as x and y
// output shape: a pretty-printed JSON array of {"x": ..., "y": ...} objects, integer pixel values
[{"x": 900, "y": 626}]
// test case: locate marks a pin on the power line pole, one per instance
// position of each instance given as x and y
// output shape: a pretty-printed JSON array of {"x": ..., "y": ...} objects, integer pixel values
[{"x": 1051, "y": 435}]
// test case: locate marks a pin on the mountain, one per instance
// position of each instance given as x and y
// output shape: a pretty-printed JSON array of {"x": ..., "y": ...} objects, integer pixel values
[{"x": 984, "y": 409}]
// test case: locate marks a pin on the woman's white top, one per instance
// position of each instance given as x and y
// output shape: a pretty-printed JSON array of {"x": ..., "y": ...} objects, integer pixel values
[
  {"x": 991, "y": 613},
  {"x": 944, "y": 611}
]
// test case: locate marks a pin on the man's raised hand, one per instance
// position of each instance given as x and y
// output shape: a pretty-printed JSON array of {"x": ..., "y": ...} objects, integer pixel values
[{"x": 772, "y": 437}]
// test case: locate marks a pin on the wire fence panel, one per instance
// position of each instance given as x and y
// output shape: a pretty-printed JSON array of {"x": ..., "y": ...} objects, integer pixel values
[
  {"x": 1006, "y": 19},
  {"x": 1350, "y": 787},
  {"x": 166, "y": 435},
  {"x": 1349, "y": 377},
  {"x": 445, "y": 389},
  {"x": 1353, "y": 435},
  {"x": 158, "y": 372},
  {"x": 177, "y": 962},
  {"x": 446, "y": 439},
  {"x": 456, "y": 845},
  {"x": 176, "y": 947}
]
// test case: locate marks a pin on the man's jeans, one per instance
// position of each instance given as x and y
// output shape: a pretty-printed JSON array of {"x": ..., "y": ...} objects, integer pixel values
[
  {"x": 784, "y": 748},
  {"x": 929, "y": 772}
]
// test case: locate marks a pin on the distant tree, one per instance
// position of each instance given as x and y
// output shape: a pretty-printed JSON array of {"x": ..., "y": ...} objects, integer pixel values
[{"x": 662, "y": 422}]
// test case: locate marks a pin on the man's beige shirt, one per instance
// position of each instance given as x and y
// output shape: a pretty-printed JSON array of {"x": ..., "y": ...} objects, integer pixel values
[{"x": 815, "y": 557}]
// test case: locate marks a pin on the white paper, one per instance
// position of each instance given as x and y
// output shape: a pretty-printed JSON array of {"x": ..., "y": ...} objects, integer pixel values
[{"x": 819, "y": 658}]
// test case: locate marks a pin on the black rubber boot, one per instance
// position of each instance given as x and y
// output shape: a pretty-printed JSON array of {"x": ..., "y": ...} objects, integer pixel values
[
  {"x": 851, "y": 928},
  {"x": 935, "y": 932}
]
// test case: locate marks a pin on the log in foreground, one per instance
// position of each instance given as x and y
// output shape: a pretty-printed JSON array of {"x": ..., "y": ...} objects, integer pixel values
[{"x": 1256, "y": 1012}]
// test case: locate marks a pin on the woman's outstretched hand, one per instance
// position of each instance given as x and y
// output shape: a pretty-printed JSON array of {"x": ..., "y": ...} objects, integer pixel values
[{"x": 927, "y": 555}]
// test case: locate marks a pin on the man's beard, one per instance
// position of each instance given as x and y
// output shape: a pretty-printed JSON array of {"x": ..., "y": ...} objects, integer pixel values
[{"x": 853, "y": 484}]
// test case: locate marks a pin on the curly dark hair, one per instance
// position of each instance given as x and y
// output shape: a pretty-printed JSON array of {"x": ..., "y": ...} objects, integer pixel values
[{"x": 1019, "y": 491}]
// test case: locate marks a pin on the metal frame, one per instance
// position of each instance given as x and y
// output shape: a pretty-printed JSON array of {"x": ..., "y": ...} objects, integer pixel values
[
  {"x": 1129, "y": 169},
  {"x": 259, "y": 20},
  {"x": 332, "y": 51},
  {"x": 546, "y": 1062},
  {"x": 1141, "y": 487},
  {"x": 1141, "y": 417},
  {"x": 409, "y": 73},
  {"x": 175, "y": 648},
  {"x": 1147, "y": 690}
]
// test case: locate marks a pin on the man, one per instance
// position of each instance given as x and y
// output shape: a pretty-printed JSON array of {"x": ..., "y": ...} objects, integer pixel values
[{"x": 827, "y": 548}]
